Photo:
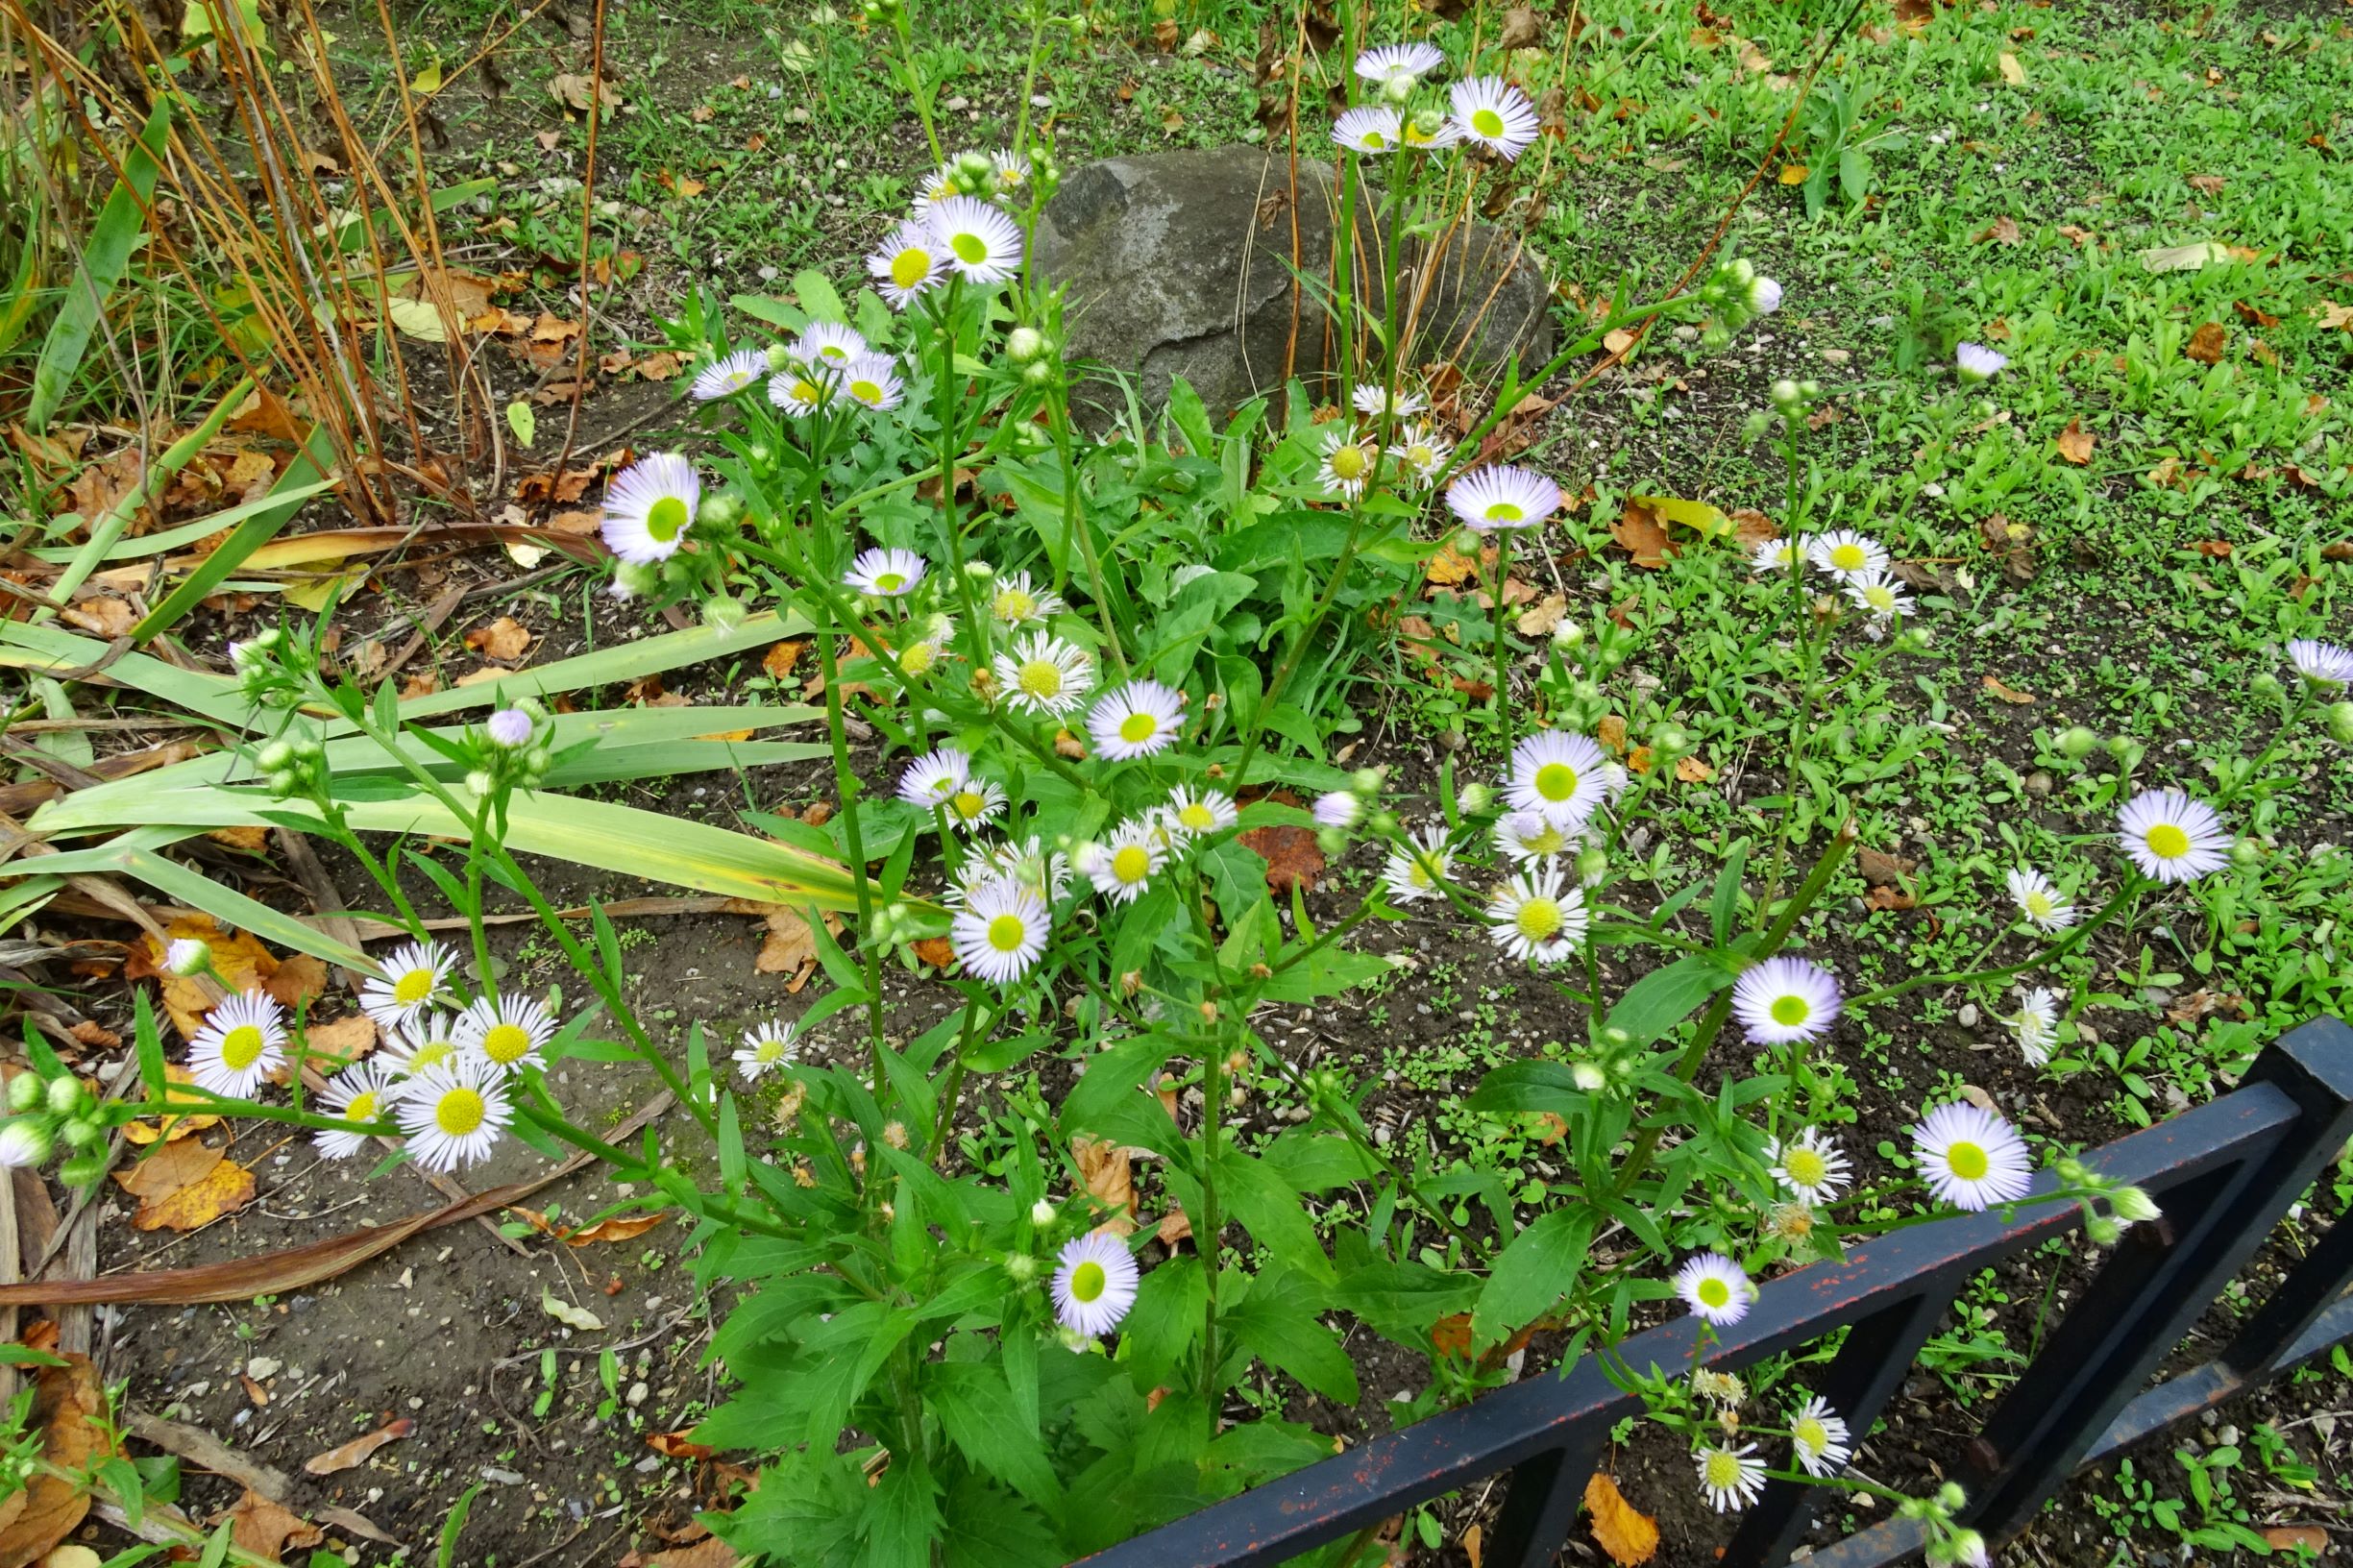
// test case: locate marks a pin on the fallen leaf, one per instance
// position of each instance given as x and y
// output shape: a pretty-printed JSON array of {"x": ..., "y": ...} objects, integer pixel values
[
  {"x": 2207, "y": 343},
  {"x": 790, "y": 948},
  {"x": 345, "y": 1040},
  {"x": 936, "y": 952},
  {"x": 1914, "y": 15},
  {"x": 1611, "y": 733},
  {"x": 2012, "y": 71},
  {"x": 2206, "y": 252},
  {"x": 2002, "y": 231},
  {"x": 176, "y": 1165},
  {"x": 266, "y": 1529},
  {"x": 1108, "y": 1173},
  {"x": 2208, "y": 184},
  {"x": 676, "y": 1445},
  {"x": 107, "y": 616},
  {"x": 713, "y": 1553},
  {"x": 2008, "y": 693},
  {"x": 1474, "y": 1540},
  {"x": 225, "y": 1188},
  {"x": 178, "y": 1126},
  {"x": 566, "y": 1313},
  {"x": 1450, "y": 566},
  {"x": 780, "y": 657},
  {"x": 1547, "y": 614},
  {"x": 1628, "y": 1534},
  {"x": 502, "y": 639},
  {"x": 67, "y": 1402},
  {"x": 2214, "y": 550},
  {"x": 1175, "y": 1226},
  {"x": 239, "y": 959},
  {"x": 1692, "y": 770},
  {"x": 1882, "y": 869},
  {"x": 2076, "y": 442},
  {"x": 1793, "y": 174},
  {"x": 1294, "y": 859},
  {"x": 574, "y": 92},
  {"x": 1616, "y": 341},
  {"x": 1884, "y": 899},
  {"x": 357, "y": 1451},
  {"x": 2311, "y": 1538},
  {"x": 296, "y": 981},
  {"x": 619, "y": 1228},
  {"x": 1640, "y": 534}
]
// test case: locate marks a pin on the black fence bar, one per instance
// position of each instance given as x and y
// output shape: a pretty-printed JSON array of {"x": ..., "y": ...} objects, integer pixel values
[{"x": 2225, "y": 1171}]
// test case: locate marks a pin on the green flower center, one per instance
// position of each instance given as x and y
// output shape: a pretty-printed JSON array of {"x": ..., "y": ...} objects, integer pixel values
[
  {"x": 971, "y": 248},
  {"x": 1133, "y": 862},
  {"x": 916, "y": 657},
  {"x": 1088, "y": 1281},
  {"x": 889, "y": 582},
  {"x": 667, "y": 518},
  {"x": 1848, "y": 557},
  {"x": 1504, "y": 511},
  {"x": 868, "y": 392},
  {"x": 1537, "y": 919},
  {"x": 1007, "y": 933},
  {"x": 1968, "y": 1162},
  {"x": 506, "y": 1044},
  {"x": 1714, "y": 1292},
  {"x": 2167, "y": 842},
  {"x": 769, "y": 1052},
  {"x": 1790, "y": 1011},
  {"x": 1805, "y": 1168},
  {"x": 431, "y": 1054},
  {"x": 1042, "y": 678},
  {"x": 1138, "y": 727},
  {"x": 1421, "y": 455},
  {"x": 363, "y": 1107},
  {"x": 1556, "y": 781},
  {"x": 1375, "y": 141},
  {"x": 1548, "y": 841},
  {"x": 461, "y": 1111},
  {"x": 1881, "y": 598},
  {"x": 1348, "y": 463},
  {"x": 1486, "y": 122},
  {"x": 910, "y": 267},
  {"x": 242, "y": 1047},
  {"x": 412, "y": 988}
]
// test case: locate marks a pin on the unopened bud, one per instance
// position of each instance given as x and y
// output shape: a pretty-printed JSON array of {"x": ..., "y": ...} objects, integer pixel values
[
  {"x": 2341, "y": 722},
  {"x": 2101, "y": 1231},
  {"x": 24, "y": 1142},
  {"x": 632, "y": 579},
  {"x": 81, "y": 1133},
  {"x": 1131, "y": 982},
  {"x": 481, "y": 782},
  {"x": 1589, "y": 1077},
  {"x": 2076, "y": 742},
  {"x": 2133, "y": 1205},
  {"x": 1039, "y": 373},
  {"x": 274, "y": 757},
  {"x": 1022, "y": 1268},
  {"x": 1023, "y": 344},
  {"x": 84, "y": 1169},
  {"x": 721, "y": 511},
  {"x": 64, "y": 1095},
  {"x": 25, "y": 1092},
  {"x": 2247, "y": 854},
  {"x": 1043, "y": 1212},
  {"x": 1592, "y": 865},
  {"x": 1476, "y": 796},
  {"x": 724, "y": 612},
  {"x": 189, "y": 957}
]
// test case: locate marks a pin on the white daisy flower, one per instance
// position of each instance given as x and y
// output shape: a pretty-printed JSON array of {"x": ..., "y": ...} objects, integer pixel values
[
  {"x": 2044, "y": 906},
  {"x": 1347, "y": 465},
  {"x": 1503, "y": 496},
  {"x": 1392, "y": 62},
  {"x": 1030, "y": 862},
  {"x": 1970, "y": 1158},
  {"x": 1774, "y": 555},
  {"x": 242, "y": 1041},
  {"x": 1809, "y": 1166},
  {"x": 1009, "y": 173},
  {"x": 508, "y": 1033},
  {"x": 1415, "y": 869},
  {"x": 830, "y": 344},
  {"x": 727, "y": 377},
  {"x": 1819, "y": 1438},
  {"x": 773, "y": 1045},
  {"x": 1420, "y": 453},
  {"x": 804, "y": 392},
  {"x": 885, "y": 573},
  {"x": 1730, "y": 1477},
  {"x": 1122, "y": 866},
  {"x": 1045, "y": 674},
  {"x": 454, "y": 1113},
  {"x": 412, "y": 977},
  {"x": 2034, "y": 1025},
  {"x": 1372, "y": 399},
  {"x": 2171, "y": 837},
  {"x": 976, "y": 804},
  {"x": 1880, "y": 593},
  {"x": 1975, "y": 362},
  {"x": 936, "y": 186},
  {"x": 1764, "y": 296},
  {"x": 871, "y": 381},
  {"x": 1532, "y": 917},
  {"x": 933, "y": 780},
  {"x": 1559, "y": 774},
  {"x": 975, "y": 238},
  {"x": 1018, "y": 601},
  {"x": 1369, "y": 128},
  {"x": 1136, "y": 719},
  {"x": 1785, "y": 999},
  {"x": 2323, "y": 663},
  {"x": 1195, "y": 813},
  {"x": 650, "y": 506},
  {"x": 1846, "y": 554},
  {"x": 424, "y": 1042},
  {"x": 1530, "y": 835},
  {"x": 1715, "y": 1288},
  {"x": 1494, "y": 114},
  {"x": 1095, "y": 1285},
  {"x": 1337, "y": 808},
  {"x": 905, "y": 265},
  {"x": 1000, "y": 933},
  {"x": 360, "y": 1092}
]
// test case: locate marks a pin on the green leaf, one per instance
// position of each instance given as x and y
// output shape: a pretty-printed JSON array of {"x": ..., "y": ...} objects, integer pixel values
[
  {"x": 1664, "y": 997},
  {"x": 1531, "y": 1273},
  {"x": 816, "y": 296},
  {"x": 1528, "y": 1086},
  {"x": 1166, "y": 1317},
  {"x": 259, "y": 522},
  {"x": 1269, "y": 1209},
  {"x": 525, "y": 423},
  {"x": 1724, "y": 909},
  {"x": 902, "y": 1516},
  {"x": 1277, "y": 1323},
  {"x": 989, "y": 1529},
  {"x": 973, "y": 1404},
  {"x": 1404, "y": 1300},
  {"x": 122, "y": 223}
]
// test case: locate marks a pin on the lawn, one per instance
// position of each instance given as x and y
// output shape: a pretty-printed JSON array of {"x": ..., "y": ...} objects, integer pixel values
[{"x": 1104, "y": 840}]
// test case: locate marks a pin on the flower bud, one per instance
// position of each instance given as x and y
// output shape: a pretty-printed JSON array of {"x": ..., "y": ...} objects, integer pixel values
[
  {"x": 1783, "y": 393},
  {"x": 537, "y": 761},
  {"x": 2072, "y": 1172},
  {"x": 481, "y": 782},
  {"x": 779, "y": 358},
  {"x": 1039, "y": 373},
  {"x": 84, "y": 1169},
  {"x": 2341, "y": 722},
  {"x": 188, "y": 956},
  {"x": 1950, "y": 1498},
  {"x": 1592, "y": 865},
  {"x": 508, "y": 729},
  {"x": 1043, "y": 1212},
  {"x": 24, "y": 1141},
  {"x": 2133, "y": 1205},
  {"x": 2247, "y": 854},
  {"x": 2101, "y": 1231},
  {"x": 274, "y": 757},
  {"x": 1476, "y": 796},
  {"x": 1367, "y": 780},
  {"x": 2266, "y": 685},
  {"x": 1023, "y": 344},
  {"x": 25, "y": 1092},
  {"x": 81, "y": 1133},
  {"x": 1717, "y": 338},
  {"x": 64, "y": 1095},
  {"x": 633, "y": 578},
  {"x": 1022, "y": 1268},
  {"x": 979, "y": 571},
  {"x": 1589, "y": 1077},
  {"x": 724, "y": 612}
]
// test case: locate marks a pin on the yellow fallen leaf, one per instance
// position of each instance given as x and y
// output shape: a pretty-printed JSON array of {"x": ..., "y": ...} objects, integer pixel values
[
  {"x": 1628, "y": 1534},
  {"x": 570, "y": 1316},
  {"x": 1697, "y": 515},
  {"x": 225, "y": 1188},
  {"x": 2012, "y": 71},
  {"x": 1794, "y": 174},
  {"x": 1110, "y": 1174},
  {"x": 171, "y": 1128}
]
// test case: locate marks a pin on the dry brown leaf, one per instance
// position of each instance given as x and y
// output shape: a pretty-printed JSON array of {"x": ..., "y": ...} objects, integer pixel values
[
  {"x": 937, "y": 952},
  {"x": 2207, "y": 343},
  {"x": 172, "y": 1127},
  {"x": 1611, "y": 732},
  {"x": 677, "y": 1445},
  {"x": 1293, "y": 858},
  {"x": 1692, "y": 770},
  {"x": 1108, "y": 1173},
  {"x": 2007, "y": 693},
  {"x": 1616, "y": 341},
  {"x": 2002, "y": 231},
  {"x": 712, "y": 1553},
  {"x": 502, "y": 639},
  {"x": 780, "y": 657},
  {"x": 2075, "y": 443},
  {"x": 574, "y": 92},
  {"x": 1175, "y": 1226},
  {"x": 1888, "y": 898},
  {"x": 619, "y": 1228},
  {"x": 176, "y": 1165},
  {"x": 107, "y": 616},
  {"x": 1450, "y": 566},
  {"x": 2313, "y": 1538},
  {"x": 242, "y": 962},
  {"x": 1475, "y": 1545},
  {"x": 1624, "y": 1531},
  {"x": 1547, "y": 614},
  {"x": 2208, "y": 184},
  {"x": 1640, "y": 534},
  {"x": 790, "y": 948},
  {"x": 297, "y": 980},
  {"x": 1752, "y": 527},
  {"x": 266, "y": 1529},
  {"x": 225, "y": 1188},
  {"x": 66, "y": 1405},
  {"x": 355, "y": 1452},
  {"x": 345, "y": 1040},
  {"x": 2214, "y": 550},
  {"x": 1880, "y": 868},
  {"x": 1914, "y": 15}
]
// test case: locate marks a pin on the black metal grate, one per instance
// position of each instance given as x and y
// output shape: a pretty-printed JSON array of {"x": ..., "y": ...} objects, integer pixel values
[{"x": 2226, "y": 1172}]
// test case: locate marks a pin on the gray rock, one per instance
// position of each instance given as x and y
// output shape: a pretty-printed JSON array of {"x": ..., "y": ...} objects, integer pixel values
[{"x": 1181, "y": 264}]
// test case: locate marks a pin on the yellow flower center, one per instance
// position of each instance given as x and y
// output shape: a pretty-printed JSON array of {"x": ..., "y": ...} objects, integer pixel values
[
  {"x": 1722, "y": 1470},
  {"x": 1504, "y": 511},
  {"x": 1548, "y": 841},
  {"x": 889, "y": 582},
  {"x": 807, "y": 392},
  {"x": 1421, "y": 455},
  {"x": 2038, "y": 904},
  {"x": 1556, "y": 781},
  {"x": 971, "y": 248},
  {"x": 2167, "y": 842},
  {"x": 459, "y": 1111},
  {"x": 1007, "y": 933},
  {"x": 431, "y": 1054},
  {"x": 1811, "y": 1435},
  {"x": 1138, "y": 727},
  {"x": 1790, "y": 1011},
  {"x": 1132, "y": 863},
  {"x": 1086, "y": 1281},
  {"x": 1348, "y": 463},
  {"x": 1968, "y": 1162},
  {"x": 506, "y": 1044},
  {"x": 967, "y": 803},
  {"x": 413, "y": 988},
  {"x": 1538, "y": 919},
  {"x": 363, "y": 1107},
  {"x": 1375, "y": 141},
  {"x": 1486, "y": 122},
  {"x": 910, "y": 267},
  {"x": 769, "y": 1052},
  {"x": 1016, "y": 605},
  {"x": 833, "y": 350},
  {"x": 1848, "y": 557},
  {"x": 667, "y": 518},
  {"x": 868, "y": 392},
  {"x": 1714, "y": 1292},
  {"x": 1881, "y": 597},
  {"x": 1042, "y": 678},
  {"x": 241, "y": 1046},
  {"x": 1197, "y": 816},
  {"x": 1805, "y": 1168}
]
